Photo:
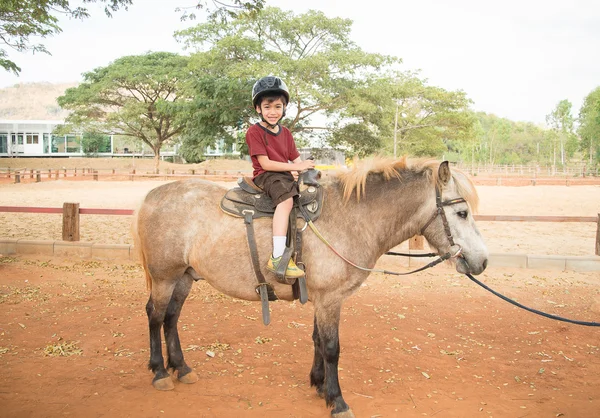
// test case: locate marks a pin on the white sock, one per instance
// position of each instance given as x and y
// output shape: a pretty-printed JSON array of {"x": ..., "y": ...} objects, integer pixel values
[{"x": 278, "y": 246}]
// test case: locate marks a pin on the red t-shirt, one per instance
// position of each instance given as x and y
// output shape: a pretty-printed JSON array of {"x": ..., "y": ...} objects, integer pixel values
[{"x": 278, "y": 146}]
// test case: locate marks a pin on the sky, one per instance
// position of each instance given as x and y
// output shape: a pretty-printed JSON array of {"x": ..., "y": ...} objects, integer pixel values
[{"x": 514, "y": 58}]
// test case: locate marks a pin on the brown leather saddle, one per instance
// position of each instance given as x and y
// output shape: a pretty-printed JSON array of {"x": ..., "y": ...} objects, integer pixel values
[
  {"x": 248, "y": 201},
  {"x": 249, "y": 198}
]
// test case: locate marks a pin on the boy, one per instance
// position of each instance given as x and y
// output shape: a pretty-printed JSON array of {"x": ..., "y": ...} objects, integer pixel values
[{"x": 271, "y": 148}]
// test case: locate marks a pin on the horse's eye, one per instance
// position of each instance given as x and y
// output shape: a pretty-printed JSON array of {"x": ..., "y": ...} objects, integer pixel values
[{"x": 463, "y": 214}]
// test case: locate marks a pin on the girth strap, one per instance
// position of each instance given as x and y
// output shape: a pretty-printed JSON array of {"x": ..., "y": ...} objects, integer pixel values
[
  {"x": 299, "y": 287},
  {"x": 264, "y": 289}
]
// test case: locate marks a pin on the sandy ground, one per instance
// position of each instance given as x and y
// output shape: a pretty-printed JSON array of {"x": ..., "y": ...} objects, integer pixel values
[{"x": 508, "y": 237}]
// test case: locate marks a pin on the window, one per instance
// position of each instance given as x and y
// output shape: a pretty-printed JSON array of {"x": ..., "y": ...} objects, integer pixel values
[
  {"x": 58, "y": 143},
  {"x": 32, "y": 139},
  {"x": 46, "y": 142},
  {"x": 3, "y": 143},
  {"x": 73, "y": 144}
]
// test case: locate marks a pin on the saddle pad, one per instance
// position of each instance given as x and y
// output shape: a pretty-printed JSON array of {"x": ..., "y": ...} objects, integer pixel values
[{"x": 236, "y": 201}]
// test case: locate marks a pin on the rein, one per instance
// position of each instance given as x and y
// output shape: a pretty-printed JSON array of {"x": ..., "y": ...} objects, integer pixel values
[{"x": 439, "y": 212}]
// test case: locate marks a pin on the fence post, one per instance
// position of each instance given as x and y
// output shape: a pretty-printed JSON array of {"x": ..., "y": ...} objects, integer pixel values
[
  {"x": 17, "y": 177},
  {"x": 70, "y": 230},
  {"x": 96, "y": 175},
  {"x": 38, "y": 176},
  {"x": 598, "y": 236}
]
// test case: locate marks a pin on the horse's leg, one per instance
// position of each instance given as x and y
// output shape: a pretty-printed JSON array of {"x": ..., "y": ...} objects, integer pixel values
[
  {"x": 317, "y": 373},
  {"x": 156, "y": 309},
  {"x": 174, "y": 353},
  {"x": 328, "y": 319}
]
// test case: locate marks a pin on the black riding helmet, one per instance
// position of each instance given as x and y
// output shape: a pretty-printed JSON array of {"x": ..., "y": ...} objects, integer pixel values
[{"x": 269, "y": 84}]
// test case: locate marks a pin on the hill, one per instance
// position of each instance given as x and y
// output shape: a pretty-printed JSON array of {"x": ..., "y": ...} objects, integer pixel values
[{"x": 33, "y": 101}]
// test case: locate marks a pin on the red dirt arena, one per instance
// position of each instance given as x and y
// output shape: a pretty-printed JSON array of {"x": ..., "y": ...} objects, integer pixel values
[{"x": 74, "y": 342}]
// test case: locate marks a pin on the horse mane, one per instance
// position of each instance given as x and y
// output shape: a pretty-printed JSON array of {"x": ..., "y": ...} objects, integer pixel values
[{"x": 355, "y": 179}]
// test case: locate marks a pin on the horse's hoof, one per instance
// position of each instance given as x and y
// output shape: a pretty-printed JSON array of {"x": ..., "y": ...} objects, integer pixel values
[
  {"x": 188, "y": 378},
  {"x": 345, "y": 414},
  {"x": 166, "y": 383}
]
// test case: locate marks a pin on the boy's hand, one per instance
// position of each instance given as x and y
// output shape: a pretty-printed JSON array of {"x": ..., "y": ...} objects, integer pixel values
[
  {"x": 307, "y": 165},
  {"x": 294, "y": 174}
]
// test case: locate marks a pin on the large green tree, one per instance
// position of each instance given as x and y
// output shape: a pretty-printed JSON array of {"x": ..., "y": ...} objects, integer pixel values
[
  {"x": 311, "y": 52},
  {"x": 22, "y": 21},
  {"x": 137, "y": 96},
  {"x": 589, "y": 126},
  {"x": 404, "y": 115}
]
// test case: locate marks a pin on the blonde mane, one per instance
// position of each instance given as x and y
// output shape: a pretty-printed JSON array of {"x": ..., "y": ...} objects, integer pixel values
[{"x": 355, "y": 179}]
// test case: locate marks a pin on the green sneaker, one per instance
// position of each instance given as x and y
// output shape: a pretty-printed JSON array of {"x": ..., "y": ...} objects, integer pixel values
[{"x": 292, "y": 271}]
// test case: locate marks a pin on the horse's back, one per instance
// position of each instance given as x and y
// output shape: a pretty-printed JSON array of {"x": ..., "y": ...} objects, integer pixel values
[
  {"x": 174, "y": 214},
  {"x": 182, "y": 192}
]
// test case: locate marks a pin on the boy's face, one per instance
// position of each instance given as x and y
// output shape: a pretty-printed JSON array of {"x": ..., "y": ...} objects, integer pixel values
[{"x": 271, "y": 111}]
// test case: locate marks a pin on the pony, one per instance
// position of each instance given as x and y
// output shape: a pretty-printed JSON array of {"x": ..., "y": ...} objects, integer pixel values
[{"x": 181, "y": 235}]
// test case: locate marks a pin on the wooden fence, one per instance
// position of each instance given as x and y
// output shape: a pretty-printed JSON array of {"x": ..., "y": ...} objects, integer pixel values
[
  {"x": 71, "y": 211},
  {"x": 25, "y": 175},
  {"x": 29, "y": 175}
]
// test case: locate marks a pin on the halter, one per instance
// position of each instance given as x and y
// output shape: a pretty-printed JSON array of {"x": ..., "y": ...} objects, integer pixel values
[{"x": 439, "y": 211}]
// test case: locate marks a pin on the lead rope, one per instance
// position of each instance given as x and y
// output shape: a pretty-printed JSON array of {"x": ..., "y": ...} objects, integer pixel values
[{"x": 535, "y": 311}]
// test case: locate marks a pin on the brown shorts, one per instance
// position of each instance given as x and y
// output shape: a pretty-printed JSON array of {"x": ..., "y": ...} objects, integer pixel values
[{"x": 279, "y": 186}]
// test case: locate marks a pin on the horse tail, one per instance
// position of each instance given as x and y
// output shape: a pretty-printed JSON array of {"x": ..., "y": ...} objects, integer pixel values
[{"x": 138, "y": 248}]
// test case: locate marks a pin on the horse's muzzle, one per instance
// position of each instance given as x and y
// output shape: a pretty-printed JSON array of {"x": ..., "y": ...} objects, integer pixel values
[{"x": 466, "y": 266}]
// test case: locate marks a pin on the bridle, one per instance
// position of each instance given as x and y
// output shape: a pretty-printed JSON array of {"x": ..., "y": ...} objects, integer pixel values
[{"x": 439, "y": 203}]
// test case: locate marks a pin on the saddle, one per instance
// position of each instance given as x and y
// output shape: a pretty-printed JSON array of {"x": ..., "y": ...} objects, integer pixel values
[
  {"x": 248, "y": 197},
  {"x": 248, "y": 201}
]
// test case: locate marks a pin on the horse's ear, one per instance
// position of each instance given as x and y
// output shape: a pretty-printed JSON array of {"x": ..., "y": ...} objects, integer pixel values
[{"x": 444, "y": 173}]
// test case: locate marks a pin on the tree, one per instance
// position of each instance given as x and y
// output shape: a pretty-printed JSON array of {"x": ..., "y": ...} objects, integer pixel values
[
  {"x": 92, "y": 143},
  {"x": 589, "y": 126},
  {"x": 21, "y": 20},
  {"x": 431, "y": 117},
  {"x": 311, "y": 52},
  {"x": 405, "y": 115},
  {"x": 136, "y": 96},
  {"x": 561, "y": 121}
]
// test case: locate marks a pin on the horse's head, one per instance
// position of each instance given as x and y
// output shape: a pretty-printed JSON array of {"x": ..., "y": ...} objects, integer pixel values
[{"x": 451, "y": 227}]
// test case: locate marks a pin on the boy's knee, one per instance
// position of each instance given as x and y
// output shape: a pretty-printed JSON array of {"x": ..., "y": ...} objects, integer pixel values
[{"x": 287, "y": 204}]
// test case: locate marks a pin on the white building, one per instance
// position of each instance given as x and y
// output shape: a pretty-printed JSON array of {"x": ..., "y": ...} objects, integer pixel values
[{"x": 34, "y": 138}]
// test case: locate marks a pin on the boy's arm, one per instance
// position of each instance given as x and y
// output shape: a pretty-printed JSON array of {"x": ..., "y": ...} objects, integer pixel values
[{"x": 296, "y": 165}]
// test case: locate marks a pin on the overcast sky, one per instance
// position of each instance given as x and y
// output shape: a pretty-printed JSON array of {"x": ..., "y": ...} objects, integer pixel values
[{"x": 514, "y": 58}]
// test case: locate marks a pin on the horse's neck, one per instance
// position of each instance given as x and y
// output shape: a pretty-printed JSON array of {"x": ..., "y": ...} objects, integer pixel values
[{"x": 390, "y": 212}]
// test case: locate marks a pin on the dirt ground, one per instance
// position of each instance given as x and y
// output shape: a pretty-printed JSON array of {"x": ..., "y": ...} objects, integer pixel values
[
  {"x": 74, "y": 339},
  {"x": 74, "y": 342}
]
